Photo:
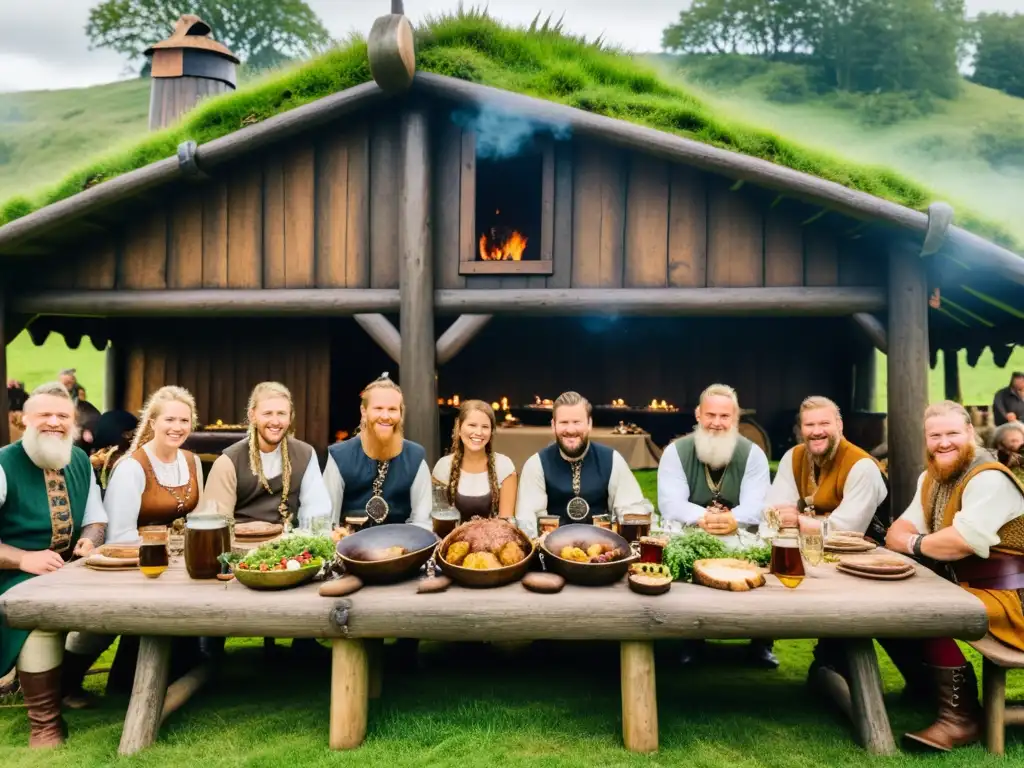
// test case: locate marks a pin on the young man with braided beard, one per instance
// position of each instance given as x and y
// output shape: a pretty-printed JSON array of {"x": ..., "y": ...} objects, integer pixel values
[
  {"x": 967, "y": 514},
  {"x": 378, "y": 474},
  {"x": 716, "y": 479},
  {"x": 50, "y": 511}
]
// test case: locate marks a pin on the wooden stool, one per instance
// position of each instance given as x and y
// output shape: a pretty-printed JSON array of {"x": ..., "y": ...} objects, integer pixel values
[{"x": 998, "y": 657}]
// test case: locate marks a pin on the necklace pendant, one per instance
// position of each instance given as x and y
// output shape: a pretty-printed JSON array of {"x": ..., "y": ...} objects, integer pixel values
[
  {"x": 577, "y": 508},
  {"x": 377, "y": 509}
]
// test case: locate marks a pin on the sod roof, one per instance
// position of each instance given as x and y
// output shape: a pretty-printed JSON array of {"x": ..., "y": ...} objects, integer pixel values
[{"x": 541, "y": 61}]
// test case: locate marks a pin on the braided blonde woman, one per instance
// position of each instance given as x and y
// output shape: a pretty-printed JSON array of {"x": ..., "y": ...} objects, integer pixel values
[{"x": 477, "y": 481}]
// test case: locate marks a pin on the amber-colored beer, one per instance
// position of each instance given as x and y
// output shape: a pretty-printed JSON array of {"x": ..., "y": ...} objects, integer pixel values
[
  {"x": 202, "y": 548},
  {"x": 787, "y": 564},
  {"x": 445, "y": 521},
  {"x": 633, "y": 528},
  {"x": 153, "y": 559}
]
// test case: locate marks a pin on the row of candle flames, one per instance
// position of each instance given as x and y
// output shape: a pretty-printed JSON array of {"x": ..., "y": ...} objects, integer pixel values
[{"x": 502, "y": 406}]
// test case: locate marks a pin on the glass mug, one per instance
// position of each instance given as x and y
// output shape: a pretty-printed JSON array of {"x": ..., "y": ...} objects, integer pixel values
[
  {"x": 153, "y": 555},
  {"x": 813, "y": 538},
  {"x": 786, "y": 564}
]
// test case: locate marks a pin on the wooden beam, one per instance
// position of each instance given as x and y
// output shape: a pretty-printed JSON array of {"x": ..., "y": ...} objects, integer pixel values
[
  {"x": 711, "y": 302},
  {"x": 110, "y": 376},
  {"x": 951, "y": 375},
  {"x": 907, "y": 365},
  {"x": 281, "y": 302},
  {"x": 417, "y": 368},
  {"x": 873, "y": 330},
  {"x": 380, "y": 329},
  {"x": 5, "y": 424},
  {"x": 458, "y": 335}
]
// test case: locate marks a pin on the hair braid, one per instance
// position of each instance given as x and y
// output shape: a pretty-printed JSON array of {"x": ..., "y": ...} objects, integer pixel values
[
  {"x": 492, "y": 478},
  {"x": 455, "y": 473}
]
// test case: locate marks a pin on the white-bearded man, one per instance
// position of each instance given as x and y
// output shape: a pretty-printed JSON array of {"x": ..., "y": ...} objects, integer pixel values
[
  {"x": 716, "y": 479},
  {"x": 967, "y": 515},
  {"x": 50, "y": 511},
  {"x": 573, "y": 478},
  {"x": 378, "y": 474}
]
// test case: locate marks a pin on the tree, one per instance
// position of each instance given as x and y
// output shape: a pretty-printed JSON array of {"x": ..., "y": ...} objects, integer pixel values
[
  {"x": 258, "y": 30},
  {"x": 999, "y": 61}
]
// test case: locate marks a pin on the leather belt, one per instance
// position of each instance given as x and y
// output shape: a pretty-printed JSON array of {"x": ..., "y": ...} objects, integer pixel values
[{"x": 999, "y": 571}]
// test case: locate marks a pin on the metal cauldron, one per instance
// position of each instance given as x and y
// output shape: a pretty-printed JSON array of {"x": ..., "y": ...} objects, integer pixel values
[
  {"x": 585, "y": 574},
  {"x": 419, "y": 543},
  {"x": 492, "y": 577}
]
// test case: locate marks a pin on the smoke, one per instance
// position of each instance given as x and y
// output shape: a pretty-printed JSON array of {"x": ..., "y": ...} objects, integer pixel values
[{"x": 501, "y": 135}]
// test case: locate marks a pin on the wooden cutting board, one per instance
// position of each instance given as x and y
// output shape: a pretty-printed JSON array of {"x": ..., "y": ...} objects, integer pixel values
[{"x": 877, "y": 576}]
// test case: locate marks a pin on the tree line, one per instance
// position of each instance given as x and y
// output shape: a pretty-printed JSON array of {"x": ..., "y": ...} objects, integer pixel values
[{"x": 862, "y": 46}]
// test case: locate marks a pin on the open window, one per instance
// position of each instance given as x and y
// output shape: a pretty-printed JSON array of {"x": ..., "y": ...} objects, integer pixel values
[{"x": 507, "y": 209}]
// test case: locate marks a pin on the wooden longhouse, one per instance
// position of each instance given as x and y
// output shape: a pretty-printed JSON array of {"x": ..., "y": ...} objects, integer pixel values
[{"x": 346, "y": 237}]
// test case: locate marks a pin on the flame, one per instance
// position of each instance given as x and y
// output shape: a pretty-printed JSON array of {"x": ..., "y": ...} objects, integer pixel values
[{"x": 511, "y": 250}]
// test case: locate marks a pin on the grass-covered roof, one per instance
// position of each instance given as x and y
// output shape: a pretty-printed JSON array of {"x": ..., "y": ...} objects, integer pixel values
[{"x": 542, "y": 61}]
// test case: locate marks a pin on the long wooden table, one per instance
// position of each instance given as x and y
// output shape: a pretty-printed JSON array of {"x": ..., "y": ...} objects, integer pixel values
[{"x": 826, "y": 604}]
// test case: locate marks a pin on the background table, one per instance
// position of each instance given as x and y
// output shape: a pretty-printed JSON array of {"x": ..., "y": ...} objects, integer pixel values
[
  {"x": 520, "y": 443},
  {"x": 826, "y": 604}
]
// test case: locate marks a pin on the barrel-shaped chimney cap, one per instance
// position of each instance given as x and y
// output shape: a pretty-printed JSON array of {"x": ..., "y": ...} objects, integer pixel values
[{"x": 190, "y": 31}]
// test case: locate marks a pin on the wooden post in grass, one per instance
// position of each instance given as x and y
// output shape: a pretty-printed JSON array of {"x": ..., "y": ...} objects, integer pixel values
[
  {"x": 639, "y": 697},
  {"x": 350, "y": 681},
  {"x": 907, "y": 366}
]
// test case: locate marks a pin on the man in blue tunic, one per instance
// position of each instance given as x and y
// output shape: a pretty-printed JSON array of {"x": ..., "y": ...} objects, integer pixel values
[
  {"x": 573, "y": 478},
  {"x": 378, "y": 474}
]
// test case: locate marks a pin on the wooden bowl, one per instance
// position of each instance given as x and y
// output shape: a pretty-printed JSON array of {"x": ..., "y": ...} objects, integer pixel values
[
  {"x": 419, "y": 543},
  {"x": 493, "y": 577},
  {"x": 636, "y": 583},
  {"x": 586, "y": 574},
  {"x": 267, "y": 580}
]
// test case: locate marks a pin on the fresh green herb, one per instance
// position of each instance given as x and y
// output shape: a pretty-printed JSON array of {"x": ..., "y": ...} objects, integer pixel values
[
  {"x": 320, "y": 549},
  {"x": 694, "y": 544}
]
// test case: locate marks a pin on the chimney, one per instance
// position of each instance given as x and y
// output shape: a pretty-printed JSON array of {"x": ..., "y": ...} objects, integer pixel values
[{"x": 187, "y": 67}]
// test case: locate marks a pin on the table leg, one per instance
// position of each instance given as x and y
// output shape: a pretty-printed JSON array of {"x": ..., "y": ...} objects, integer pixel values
[
  {"x": 869, "y": 715},
  {"x": 350, "y": 682},
  {"x": 142, "y": 722},
  {"x": 639, "y": 697}
]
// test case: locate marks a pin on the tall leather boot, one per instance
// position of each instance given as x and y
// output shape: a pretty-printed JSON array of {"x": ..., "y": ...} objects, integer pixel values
[
  {"x": 960, "y": 717},
  {"x": 73, "y": 672},
  {"x": 42, "y": 699}
]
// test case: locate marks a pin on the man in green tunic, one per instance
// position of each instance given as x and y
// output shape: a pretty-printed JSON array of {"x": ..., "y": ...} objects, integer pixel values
[
  {"x": 716, "y": 479},
  {"x": 50, "y": 511}
]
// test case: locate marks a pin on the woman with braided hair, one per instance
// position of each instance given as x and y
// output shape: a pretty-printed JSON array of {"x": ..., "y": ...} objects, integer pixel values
[{"x": 478, "y": 481}]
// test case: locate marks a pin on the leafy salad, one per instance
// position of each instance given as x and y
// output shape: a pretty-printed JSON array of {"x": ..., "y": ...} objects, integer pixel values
[
  {"x": 288, "y": 554},
  {"x": 685, "y": 549}
]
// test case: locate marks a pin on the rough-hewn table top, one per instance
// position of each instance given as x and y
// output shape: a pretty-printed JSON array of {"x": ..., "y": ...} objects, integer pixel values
[{"x": 826, "y": 604}]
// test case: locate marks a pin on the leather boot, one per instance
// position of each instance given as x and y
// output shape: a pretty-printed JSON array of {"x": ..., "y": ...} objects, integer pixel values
[
  {"x": 73, "y": 672},
  {"x": 959, "y": 721},
  {"x": 42, "y": 699}
]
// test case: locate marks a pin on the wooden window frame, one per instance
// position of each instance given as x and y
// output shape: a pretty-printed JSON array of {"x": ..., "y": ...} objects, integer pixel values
[{"x": 468, "y": 262}]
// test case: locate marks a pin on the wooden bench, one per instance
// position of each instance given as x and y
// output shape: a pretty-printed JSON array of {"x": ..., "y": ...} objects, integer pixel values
[{"x": 998, "y": 658}]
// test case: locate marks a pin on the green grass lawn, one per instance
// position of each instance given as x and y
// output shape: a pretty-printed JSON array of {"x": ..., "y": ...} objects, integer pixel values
[{"x": 474, "y": 705}]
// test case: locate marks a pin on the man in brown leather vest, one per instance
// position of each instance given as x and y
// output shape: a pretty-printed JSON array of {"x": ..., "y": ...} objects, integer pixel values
[
  {"x": 270, "y": 476},
  {"x": 968, "y": 516}
]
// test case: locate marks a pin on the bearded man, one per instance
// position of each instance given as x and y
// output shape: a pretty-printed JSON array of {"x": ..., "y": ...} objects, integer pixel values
[
  {"x": 968, "y": 515},
  {"x": 1009, "y": 445},
  {"x": 573, "y": 478},
  {"x": 1008, "y": 403},
  {"x": 270, "y": 476},
  {"x": 716, "y": 479},
  {"x": 378, "y": 474},
  {"x": 50, "y": 511}
]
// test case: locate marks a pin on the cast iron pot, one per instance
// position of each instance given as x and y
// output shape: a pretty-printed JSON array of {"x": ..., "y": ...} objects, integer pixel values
[
  {"x": 419, "y": 543},
  {"x": 586, "y": 574}
]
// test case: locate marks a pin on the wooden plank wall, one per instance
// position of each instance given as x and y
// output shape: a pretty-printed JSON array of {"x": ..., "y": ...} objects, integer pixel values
[
  {"x": 316, "y": 213},
  {"x": 220, "y": 363}
]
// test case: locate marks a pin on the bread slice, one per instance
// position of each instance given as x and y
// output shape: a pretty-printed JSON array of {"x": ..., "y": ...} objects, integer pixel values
[
  {"x": 130, "y": 551},
  {"x": 103, "y": 561},
  {"x": 257, "y": 529},
  {"x": 728, "y": 573}
]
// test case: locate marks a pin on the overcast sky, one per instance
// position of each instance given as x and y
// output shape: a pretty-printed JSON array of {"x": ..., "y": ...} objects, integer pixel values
[{"x": 43, "y": 43}]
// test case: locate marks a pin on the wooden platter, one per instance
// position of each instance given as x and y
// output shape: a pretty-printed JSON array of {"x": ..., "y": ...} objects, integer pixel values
[
  {"x": 878, "y": 576},
  {"x": 880, "y": 564},
  {"x": 102, "y": 562},
  {"x": 849, "y": 546}
]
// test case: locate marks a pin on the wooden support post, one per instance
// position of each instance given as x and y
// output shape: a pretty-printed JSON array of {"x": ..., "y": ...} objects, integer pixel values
[
  {"x": 350, "y": 677},
  {"x": 993, "y": 697},
  {"x": 951, "y": 375},
  {"x": 375, "y": 656},
  {"x": 182, "y": 689},
  {"x": 873, "y": 330},
  {"x": 639, "y": 697},
  {"x": 380, "y": 329},
  {"x": 111, "y": 374},
  {"x": 458, "y": 335},
  {"x": 416, "y": 282},
  {"x": 864, "y": 377},
  {"x": 869, "y": 715},
  {"x": 142, "y": 722},
  {"x": 5, "y": 424},
  {"x": 907, "y": 365}
]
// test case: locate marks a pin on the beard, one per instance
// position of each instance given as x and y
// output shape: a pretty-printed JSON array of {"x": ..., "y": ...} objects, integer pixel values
[
  {"x": 381, "y": 448},
  {"x": 573, "y": 453},
  {"x": 266, "y": 437},
  {"x": 945, "y": 472},
  {"x": 830, "y": 452},
  {"x": 715, "y": 448},
  {"x": 48, "y": 451}
]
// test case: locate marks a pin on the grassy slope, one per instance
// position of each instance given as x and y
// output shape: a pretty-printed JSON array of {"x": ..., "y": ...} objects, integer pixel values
[
  {"x": 544, "y": 63},
  {"x": 469, "y": 707},
  {"x": 958, "y": 175}
]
